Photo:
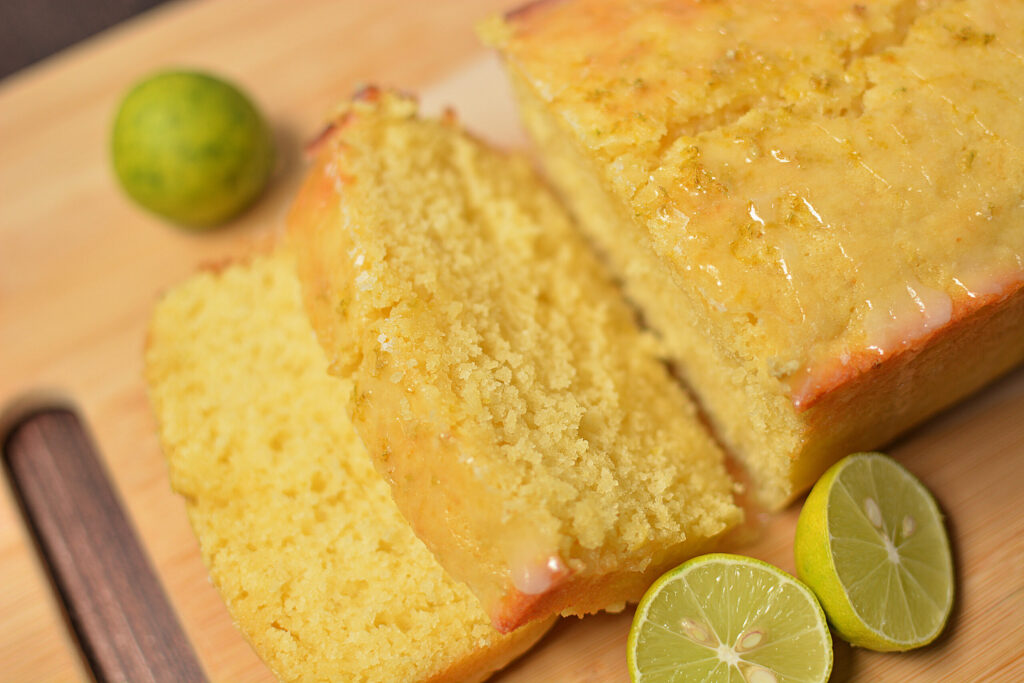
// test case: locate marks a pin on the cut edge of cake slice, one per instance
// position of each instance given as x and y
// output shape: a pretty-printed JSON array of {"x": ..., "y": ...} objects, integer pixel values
[
  {"x": 530, "y": 433},
  {"x": 319, "y": 570}
]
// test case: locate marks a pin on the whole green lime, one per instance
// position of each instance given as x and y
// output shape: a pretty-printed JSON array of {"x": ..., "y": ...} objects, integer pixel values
[{"x": 191, "y": 147}]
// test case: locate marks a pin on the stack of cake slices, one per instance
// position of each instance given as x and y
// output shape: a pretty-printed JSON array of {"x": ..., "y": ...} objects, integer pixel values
[{"x": 429, "y": 421}]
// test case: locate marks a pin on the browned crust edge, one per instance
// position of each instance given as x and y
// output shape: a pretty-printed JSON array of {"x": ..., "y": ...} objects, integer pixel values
[
  {"x": 488, "y": 661},
  {"x": 870, "y": 409},
  {"x": 835, "y": 377}
]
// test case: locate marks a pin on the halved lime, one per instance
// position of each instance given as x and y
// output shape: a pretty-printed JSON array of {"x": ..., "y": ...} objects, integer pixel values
[
  {"x": 871, "y": 544},
  {"x": 729, "y": 618}
]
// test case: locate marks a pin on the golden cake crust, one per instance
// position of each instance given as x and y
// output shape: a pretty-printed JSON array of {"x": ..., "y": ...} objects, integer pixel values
[{"x": 877, "y": 404}]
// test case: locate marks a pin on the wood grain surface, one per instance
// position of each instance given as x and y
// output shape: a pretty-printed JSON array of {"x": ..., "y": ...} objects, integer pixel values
[{"x": 80, "y": 268}]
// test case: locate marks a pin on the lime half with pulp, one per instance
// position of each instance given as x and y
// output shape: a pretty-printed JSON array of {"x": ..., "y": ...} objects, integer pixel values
[
  {"x": 871, "y": 544},
  {"x": 729, "y": 618}
]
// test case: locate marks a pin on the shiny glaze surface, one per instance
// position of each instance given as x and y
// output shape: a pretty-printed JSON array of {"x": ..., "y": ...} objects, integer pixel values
[{"x": 830, "y": 182}]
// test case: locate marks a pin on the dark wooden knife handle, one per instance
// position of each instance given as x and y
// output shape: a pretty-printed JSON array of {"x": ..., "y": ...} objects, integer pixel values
[{"x": 115, "y": 605}]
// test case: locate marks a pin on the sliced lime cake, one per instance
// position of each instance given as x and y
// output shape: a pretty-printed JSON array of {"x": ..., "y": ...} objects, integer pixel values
[{"x": 529, "y": 431}]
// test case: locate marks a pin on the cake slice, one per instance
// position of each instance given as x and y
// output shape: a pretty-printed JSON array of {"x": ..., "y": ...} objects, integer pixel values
[
  {"x": 817, "y": 204},
  {"x": 300, "y": 534},
  {"x": 529, "y": 432}
]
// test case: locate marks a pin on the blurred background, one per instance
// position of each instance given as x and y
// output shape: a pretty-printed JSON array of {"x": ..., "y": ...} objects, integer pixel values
[{"x": 31, "y": 30}]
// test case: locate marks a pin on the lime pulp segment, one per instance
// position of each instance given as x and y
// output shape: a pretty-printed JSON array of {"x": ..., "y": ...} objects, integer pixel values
[{"x": 729, "y": 618}]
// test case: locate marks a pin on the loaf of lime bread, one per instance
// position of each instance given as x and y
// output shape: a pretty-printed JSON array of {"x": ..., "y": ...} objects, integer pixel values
[
  {"x": 529, "y": 432},
  {"x": 316, "y": 564},
  {"x": 817, "y": 204}
]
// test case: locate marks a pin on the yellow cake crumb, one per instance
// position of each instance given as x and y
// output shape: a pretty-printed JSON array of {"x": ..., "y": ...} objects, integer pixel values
[
  {"x": 529, "y": 431},
  {"x": 317, "y": 565}
]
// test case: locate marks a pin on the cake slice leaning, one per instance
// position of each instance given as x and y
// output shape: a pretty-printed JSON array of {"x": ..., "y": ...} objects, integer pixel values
[
  {"x": 317, "y": 566},
  {"x": 529, "y": 432}
]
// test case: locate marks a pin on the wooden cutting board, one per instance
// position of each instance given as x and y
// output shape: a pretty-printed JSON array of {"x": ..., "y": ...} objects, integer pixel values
[{"x": 80, "y": 268}]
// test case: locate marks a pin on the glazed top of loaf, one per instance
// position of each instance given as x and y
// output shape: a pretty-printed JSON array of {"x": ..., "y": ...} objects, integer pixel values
[{"x": 831, "y": 182}]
